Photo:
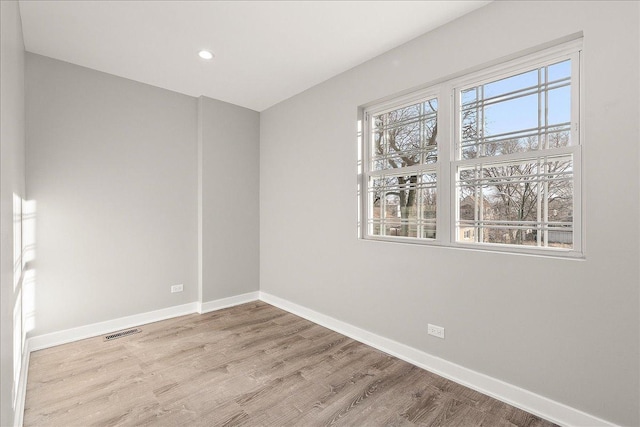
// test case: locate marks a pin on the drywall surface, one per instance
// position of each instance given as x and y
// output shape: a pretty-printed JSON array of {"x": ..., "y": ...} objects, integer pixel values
[
  {"x": 12, "y": 180},
  {"x": 112, "y": 166},
  {"x": 564, "y": 329},
  {"x": 229, "y": 138}
]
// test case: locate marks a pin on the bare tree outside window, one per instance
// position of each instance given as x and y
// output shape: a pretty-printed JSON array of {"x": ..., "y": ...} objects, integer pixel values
[
  {"x": 522, "y": 202},
  {"x": 404, "y": 204},
  {"x": 508, "y": 177}
]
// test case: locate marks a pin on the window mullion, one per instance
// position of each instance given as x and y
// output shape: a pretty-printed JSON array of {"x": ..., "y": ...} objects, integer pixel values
[
  {"x": 419, "y": 190},
  {"x": 576, "y": 140},
  {"x": 541, "y": 211},
  {"x": 444, "y": 185},
  {"x": 545, "y": 201},
  {"x": 480, "y": 124},
  {"x": 479, "y": 206},
  {"x": 543, "y": 141}
]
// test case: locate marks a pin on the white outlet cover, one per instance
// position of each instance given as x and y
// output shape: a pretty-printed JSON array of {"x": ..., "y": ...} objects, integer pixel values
[
  {"x": 176, "y": 288},
  {"x": 436, "y": 331}
]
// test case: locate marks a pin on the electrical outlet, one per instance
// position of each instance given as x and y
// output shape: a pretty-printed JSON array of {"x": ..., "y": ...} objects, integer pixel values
[
  {"x": 176, "y": 288},
  {"x": 436, "y": 331}
]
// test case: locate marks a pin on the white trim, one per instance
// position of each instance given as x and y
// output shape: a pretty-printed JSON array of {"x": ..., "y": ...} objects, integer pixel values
[
  {"x": 21, "y": 394},
  {"x": 508, "y": 393},
  {"x": 513, "y": 395},
  {"x": 52, "y": 339},
  {"x": 200, "y": 167},
  {"x": 542, "y": 58},
  {"x": 426, "y": 94},
  {"x": 75, "y": 334},
  {"x": 219, "y": 304},
  {"x": 515, "y": 158},
  {"x": 420, "y": 169}
]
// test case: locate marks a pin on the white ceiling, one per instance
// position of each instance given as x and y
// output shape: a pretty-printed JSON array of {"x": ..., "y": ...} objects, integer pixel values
[{"x": 265, "y": 51}]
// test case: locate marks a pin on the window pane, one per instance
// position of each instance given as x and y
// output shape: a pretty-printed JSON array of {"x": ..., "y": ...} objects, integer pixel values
[
  {"x": 405, "y": 136},
  {"x": 427, "y": 204},
  {"x": 559, "y": 106},
  {"x": 470, "y": 133},
  {"x": 520, "y": 203},
  {"x": 403, "y": 205},
  {"x": 511, "y": 84},
  {"x": 559, "y": 138},
  {"x": 510, "y": 236},
  {"x": 560, "y": 204},
  {"x": 469, "y": 96},
  {"x": 511, "y": 115},
  {"x": 559, "y": 237},
  {"x": 517, "y": 114},
  {"x": 559, "y": 71}
]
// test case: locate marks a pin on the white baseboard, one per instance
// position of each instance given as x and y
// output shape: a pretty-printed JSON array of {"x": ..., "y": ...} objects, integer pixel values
[
  {"x": 22, "y": 388},
  {"x": 40, "y": 342},
  {"x": 511, "y": 394},
  {"x": 219, "y": 304},
  {"x": 531, "y": 402},
  {"x": 75, "y": 334}
]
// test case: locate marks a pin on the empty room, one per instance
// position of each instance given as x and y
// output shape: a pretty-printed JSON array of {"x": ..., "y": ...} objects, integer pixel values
[{"x": 306, "y": 213}]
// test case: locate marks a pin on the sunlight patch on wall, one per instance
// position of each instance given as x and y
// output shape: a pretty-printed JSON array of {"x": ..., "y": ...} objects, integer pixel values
[
  {"x": 17, "y": 240},
  {"x": 28, "y": 302},
  {"x": 24, "y": 244},
  {"x": 28, "y": 231}
]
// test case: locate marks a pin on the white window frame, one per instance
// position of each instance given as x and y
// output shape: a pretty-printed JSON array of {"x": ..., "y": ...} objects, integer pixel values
[
  {"x": 447, "y": 94},
  {"x": 395, "y": 104}
]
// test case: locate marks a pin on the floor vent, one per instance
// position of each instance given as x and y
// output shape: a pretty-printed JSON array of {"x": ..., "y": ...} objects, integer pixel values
[{"x": 122, "y": 334}]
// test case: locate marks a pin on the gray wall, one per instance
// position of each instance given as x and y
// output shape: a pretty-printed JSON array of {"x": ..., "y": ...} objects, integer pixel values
[
  {"x": 230, "y": 161},
  {"x": 12, "y": 180},
  {"x": 112, "y": 166},
  {"x": 565, "y": 329}
]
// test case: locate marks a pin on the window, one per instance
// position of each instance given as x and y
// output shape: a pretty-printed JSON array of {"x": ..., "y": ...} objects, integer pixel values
[
  {"x": 402, "y": 177},
  {"x": 501, "y": 148}
]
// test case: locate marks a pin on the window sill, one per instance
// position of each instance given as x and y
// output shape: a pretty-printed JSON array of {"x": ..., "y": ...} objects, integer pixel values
[{"x": 568, "y": 254}]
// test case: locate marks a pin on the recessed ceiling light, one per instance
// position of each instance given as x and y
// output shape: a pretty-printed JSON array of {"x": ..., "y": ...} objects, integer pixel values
[{"x": 205, "y": 54}]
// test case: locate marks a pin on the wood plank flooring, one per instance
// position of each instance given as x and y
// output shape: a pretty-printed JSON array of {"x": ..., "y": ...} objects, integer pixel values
[{"x": 252, "y": 365}]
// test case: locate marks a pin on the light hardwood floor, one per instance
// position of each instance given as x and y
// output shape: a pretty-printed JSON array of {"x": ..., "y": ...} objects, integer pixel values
[{"x": 252, "y": 365}]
